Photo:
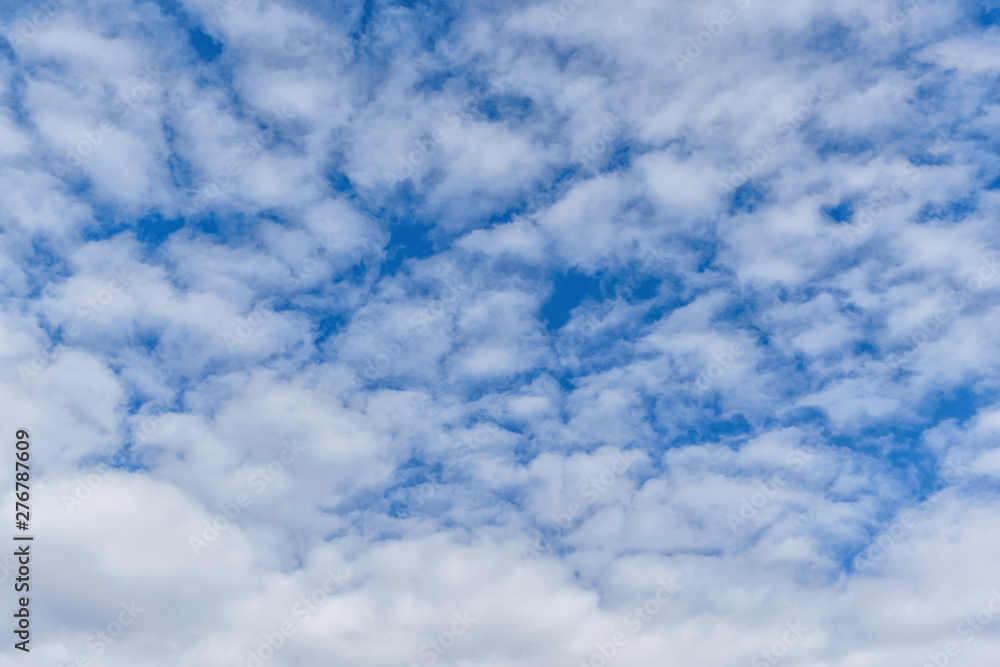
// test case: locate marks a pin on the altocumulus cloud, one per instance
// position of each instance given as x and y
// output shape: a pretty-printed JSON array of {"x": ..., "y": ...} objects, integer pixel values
[{"x": 687, "y": 302}]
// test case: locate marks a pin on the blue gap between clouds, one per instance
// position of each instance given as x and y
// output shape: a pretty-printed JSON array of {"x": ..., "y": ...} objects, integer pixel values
[
  {"x": 569, "y": 291},
  {"x": 202, "y": 42},
  {"x": 746, "y": 198},
  {"x": 987, "y": 13},
  {"x": 504, "y": 107},
  {"x": 154, "y": 229},
  {"x": 847, "y": 146},
  {"x": 572, "y": 288},
  {"x": 406, "y": 241},
  {"x": 952, "y": 211},
  {"x": 960, "y": 404},
  {"x": 842, "y": 212},
  {"x": 833, "y": 39},
  {"x": 207, "y": 48}
]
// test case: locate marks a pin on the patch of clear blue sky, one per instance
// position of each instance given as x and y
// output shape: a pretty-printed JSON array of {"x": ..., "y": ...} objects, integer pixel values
[
  {"x": 206, "y": 46},
  {"x": 569, "y": 289},
  {"x": 407, "y": 241},
  {"x": 955, "y": 210},
  {"x": 842, "y": 212},
  {"x": 985, "y": 13}
]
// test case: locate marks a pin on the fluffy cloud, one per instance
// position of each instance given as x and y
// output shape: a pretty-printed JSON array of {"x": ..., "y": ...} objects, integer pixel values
[{"x": 543, "y": 333}]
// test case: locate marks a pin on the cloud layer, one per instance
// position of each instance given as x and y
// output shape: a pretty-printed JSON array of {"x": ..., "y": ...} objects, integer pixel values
[{"x": 578, "y": 333}]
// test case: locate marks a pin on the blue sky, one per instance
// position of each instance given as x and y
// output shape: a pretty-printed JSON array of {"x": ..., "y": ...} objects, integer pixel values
[{"x": 522, "y": 312}]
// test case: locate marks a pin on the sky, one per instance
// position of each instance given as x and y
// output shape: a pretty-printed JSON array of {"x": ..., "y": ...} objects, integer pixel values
[{"x": 579, "y": 333}]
